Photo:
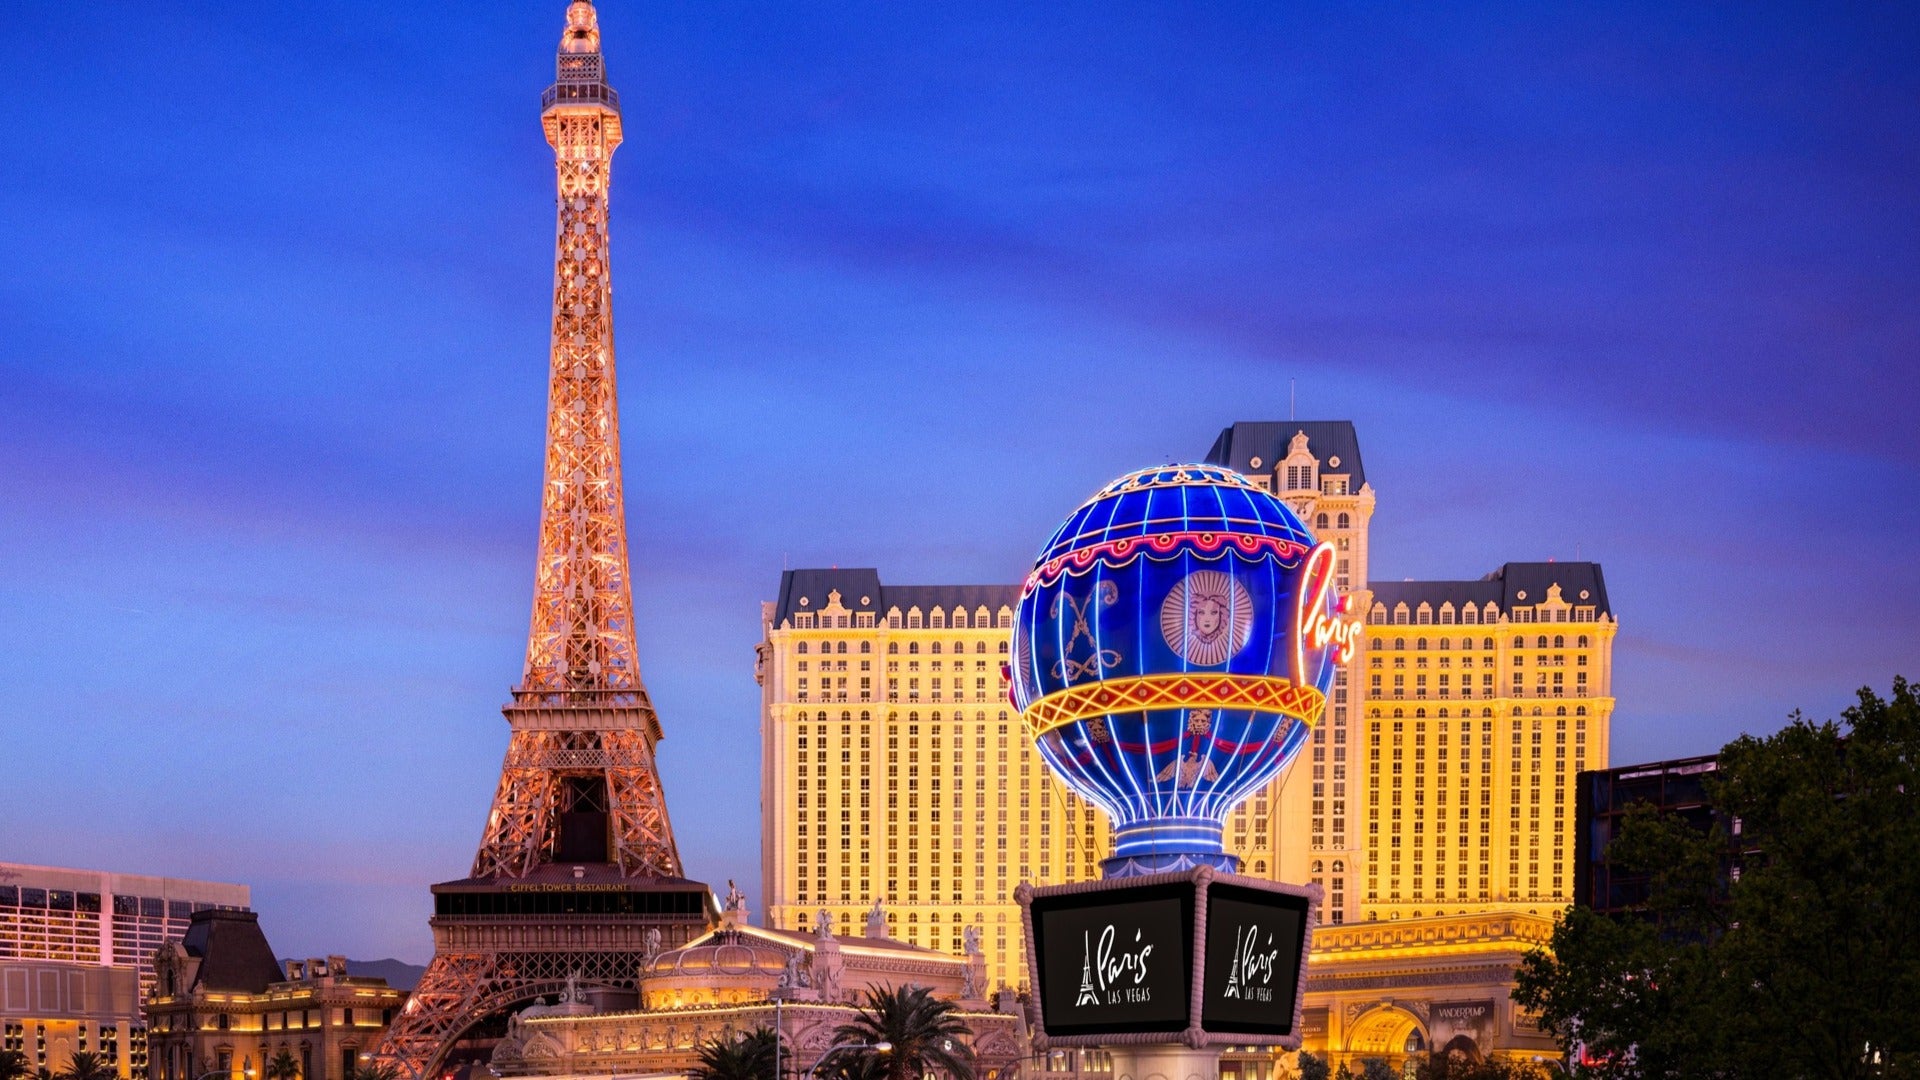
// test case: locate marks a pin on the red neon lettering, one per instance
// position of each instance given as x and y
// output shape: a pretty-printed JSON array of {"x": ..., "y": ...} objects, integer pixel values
[{"x": 1313, "y": 628}]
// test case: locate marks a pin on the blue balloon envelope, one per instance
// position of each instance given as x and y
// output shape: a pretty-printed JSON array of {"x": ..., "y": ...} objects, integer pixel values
[{"x": 1173, "y": 650}]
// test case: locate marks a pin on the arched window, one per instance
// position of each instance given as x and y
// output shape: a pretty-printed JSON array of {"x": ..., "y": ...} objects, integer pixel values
[
  {"x": 801, "y": 648},
  {"x": 1374, "y": 644},
  {"x": 1443, "y": 714},
  {"x": 1320, "y": 522},
  {"x": 1559, "y": 642},
  {"x": 1339, "y": 866},
  {"x": 1420, "y": 643},
  {"x": 893, "y": 648},
  {"x": 934, "y": 648},
  {"x": 913, "y": 648},
  {"x": 1344, "y": 521},
  {"x": 1399, "y": 714},
  {"x": 1560, "y": 711},
  {"x": 1519, "y": 642},
  {"x": 1542, "y": 639},
  {"x": 1486, "y": 643},
  {"x": 959, "y": 647},
  {"x": 1419, "y": 714},
  {"x": 1446, "y": 643},
  {"x": 1399, "y": 643},
  {"x": 840, "y": 648},
  {"x": 866, "y": 647},
  {"x": 1580, "y": 642},
  {"x": 1003, "y": 646},
  {"x": 1318, "y": 868},
  {"x": 1579, "y": 710}
]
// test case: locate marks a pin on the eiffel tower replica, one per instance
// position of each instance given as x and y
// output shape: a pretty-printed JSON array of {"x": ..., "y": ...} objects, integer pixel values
[{"x": 577, "y": 881}]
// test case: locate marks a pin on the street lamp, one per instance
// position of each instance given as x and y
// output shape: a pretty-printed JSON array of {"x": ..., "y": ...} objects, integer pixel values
[{"x": 883, "y": 1047}]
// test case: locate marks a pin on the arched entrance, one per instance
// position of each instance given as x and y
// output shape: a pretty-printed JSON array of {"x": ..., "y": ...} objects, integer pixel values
[{"x": 1387, "y": 1031}]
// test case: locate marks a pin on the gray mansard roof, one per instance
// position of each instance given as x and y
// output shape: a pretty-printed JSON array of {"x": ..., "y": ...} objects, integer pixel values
[
  {"x": 860, "y": 590},
  {"x": 1268, "y": 440},
  {"x": 1504, "y": 587}
]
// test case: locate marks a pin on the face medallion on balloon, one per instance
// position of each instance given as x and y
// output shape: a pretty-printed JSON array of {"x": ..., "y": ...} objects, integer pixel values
[
  {"x": 1207, "y": 617},
  {"x": 1174, "y": 647}
]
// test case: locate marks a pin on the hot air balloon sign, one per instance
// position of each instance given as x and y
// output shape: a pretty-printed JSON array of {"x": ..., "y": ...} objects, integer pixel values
[{"x": 1175, "y": 645}]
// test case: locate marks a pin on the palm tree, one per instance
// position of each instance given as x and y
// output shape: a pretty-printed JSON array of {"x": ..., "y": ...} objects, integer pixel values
[
  {"x": 925, "y": 1035},
  {"x": 13, "y": 1065},
  {"x": 88, "y": 1065},
  {"x": 749, "y": 1056},
  {"x": 283, "y": 1066}
]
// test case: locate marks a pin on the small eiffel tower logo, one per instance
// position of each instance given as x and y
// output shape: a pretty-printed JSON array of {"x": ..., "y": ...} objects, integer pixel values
[
  {"x": 1233, "y": 980},
  {"x": 1086, "y": 995}
]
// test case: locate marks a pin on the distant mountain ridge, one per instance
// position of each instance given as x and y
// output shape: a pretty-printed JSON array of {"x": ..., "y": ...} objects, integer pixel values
[{"x": 399, "y": 974}]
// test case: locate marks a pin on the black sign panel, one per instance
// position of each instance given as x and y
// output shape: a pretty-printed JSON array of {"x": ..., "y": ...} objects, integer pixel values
[
  {"x": 1256, "y": 941},
  {"x": 1115, "y": 961}
]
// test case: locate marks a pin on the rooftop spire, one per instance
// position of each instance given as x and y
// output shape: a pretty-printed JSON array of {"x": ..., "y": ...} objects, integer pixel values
[{"x": 583, "y": 29}]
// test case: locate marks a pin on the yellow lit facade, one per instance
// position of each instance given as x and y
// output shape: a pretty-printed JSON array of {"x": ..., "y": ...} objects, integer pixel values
[
  {"x": 1439, "y": 785},
  {"x": 1300, "y": 827},
  {"x": 893, "y": 767},
  {"x": 1442, "y": 780},
  {"x": 1483, "y": 700}
]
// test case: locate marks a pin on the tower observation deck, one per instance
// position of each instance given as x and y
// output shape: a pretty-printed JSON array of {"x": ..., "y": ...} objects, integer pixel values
[{"x": 577, "y": 874}]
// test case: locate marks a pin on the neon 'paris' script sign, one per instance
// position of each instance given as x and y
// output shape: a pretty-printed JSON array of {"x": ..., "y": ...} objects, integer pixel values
[{"x": 1312, "y": 626}]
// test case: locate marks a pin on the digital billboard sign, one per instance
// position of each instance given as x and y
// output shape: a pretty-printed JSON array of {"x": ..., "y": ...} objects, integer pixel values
[
  {"x": 1193, "y": 956},
  {"x": 1116, "y": 961},
  {"x": 1255, "y": 942}
]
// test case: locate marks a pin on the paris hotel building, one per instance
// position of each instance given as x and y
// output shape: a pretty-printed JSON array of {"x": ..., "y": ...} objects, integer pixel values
[{"x": 1441, "y": 782}]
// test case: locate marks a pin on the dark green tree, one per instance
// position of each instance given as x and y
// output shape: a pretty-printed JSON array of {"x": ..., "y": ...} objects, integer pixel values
[
  {"x": 1803, "y": 964},
  {"x": 1343, "y": 1073},
  {"x": 1377, "y": 1069},
  {"x": 13, "y": 1065},
  {"x": 1312, "y": 1067},
  {"x": 1454, "y": 1066},
  {"x": 924, "y": 1032},
  {"x": 748, "y": 1056},
  {"x": 88, "y": 1065}
]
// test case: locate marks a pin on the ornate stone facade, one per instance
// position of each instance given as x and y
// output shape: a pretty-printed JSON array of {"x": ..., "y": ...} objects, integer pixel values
[
  {"x": 1384, "y": 989},
  {"x": 223, "y": 1005},
  {"x": 742, "y": 977}
]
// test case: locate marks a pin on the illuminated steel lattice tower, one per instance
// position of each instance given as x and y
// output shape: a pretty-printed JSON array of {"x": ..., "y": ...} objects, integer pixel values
[{"x": 577, "y": 879}]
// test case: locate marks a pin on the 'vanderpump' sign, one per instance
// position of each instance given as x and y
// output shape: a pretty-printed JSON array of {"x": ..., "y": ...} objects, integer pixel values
[{"x": 1188, "y": 955}]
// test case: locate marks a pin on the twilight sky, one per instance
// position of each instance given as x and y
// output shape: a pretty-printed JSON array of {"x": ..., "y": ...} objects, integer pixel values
[{"x": 897, "y": 285}]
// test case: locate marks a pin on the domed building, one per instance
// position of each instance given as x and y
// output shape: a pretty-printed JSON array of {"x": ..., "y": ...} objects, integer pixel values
[{"x": 739, "y": 977}]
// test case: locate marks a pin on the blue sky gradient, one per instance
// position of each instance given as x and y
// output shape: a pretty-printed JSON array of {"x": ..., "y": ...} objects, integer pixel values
[{"x": 897, "y": 285}]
